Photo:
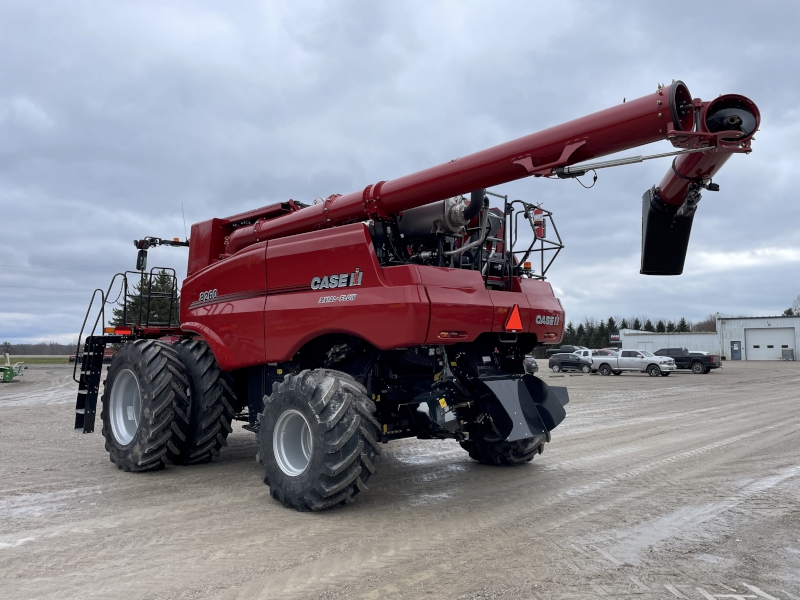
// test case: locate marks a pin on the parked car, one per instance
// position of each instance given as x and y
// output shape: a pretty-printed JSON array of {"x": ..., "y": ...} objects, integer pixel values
[
  {"x": 530, "y": 364},
  {"x": 567, "y": 361},
  {"x": 564, "y": 350},
  {"x": 698, "y": 362},
  {"x": 634, "y": 360}
]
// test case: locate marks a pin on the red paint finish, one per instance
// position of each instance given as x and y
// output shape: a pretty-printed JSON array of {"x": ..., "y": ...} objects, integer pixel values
[
  {"x": 262, "y": 308},
  {"x": 546, "y": 307},
  {"x": 458, "y": 302},
  {"x": 231, "y": 314},
  {"x": 387, "y": 316},
  {"x": 704, "y": 165}
]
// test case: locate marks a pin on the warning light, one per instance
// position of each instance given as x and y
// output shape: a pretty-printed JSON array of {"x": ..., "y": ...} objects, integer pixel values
[
  {"x": 452, "y": 334},
  {"x": 527, "y": 265},
  {"x": 514, "y": 321},
  {"x": 176, "y": 239},
  {"x": 108, "y": 330},
  {"x": 122, "y": 330}
]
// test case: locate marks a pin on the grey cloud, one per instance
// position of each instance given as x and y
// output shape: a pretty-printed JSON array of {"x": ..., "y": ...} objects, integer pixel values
[{"x": 112, "y": 115}]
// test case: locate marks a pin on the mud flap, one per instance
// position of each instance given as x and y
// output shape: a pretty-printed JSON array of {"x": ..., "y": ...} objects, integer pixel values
[{"x": 531, "y": 406}]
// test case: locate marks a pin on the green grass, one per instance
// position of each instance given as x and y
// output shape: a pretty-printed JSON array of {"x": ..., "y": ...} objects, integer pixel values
[{"x": 41, "y": 360}]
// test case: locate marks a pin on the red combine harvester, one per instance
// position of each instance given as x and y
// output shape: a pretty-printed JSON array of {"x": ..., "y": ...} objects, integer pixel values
[{"x": 402, "y": 310}]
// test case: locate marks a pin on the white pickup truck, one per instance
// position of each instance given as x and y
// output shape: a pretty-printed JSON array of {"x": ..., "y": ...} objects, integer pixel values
[{"x": 631, "y": 360}]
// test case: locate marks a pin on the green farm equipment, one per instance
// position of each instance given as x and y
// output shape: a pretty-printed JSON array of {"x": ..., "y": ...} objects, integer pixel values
[{"x": 9, "y": 371}]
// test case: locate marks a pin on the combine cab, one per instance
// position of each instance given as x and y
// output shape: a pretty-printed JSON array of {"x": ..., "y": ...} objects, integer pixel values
[{"x": 405, "y": 309}]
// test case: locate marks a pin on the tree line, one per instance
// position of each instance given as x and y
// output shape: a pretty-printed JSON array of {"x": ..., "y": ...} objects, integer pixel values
[
  {"x": 596, "y": 333},
  {"x": 43, "y": 348}
]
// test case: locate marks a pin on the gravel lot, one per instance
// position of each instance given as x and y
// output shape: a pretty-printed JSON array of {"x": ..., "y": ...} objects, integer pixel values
[{"x": 685, "y": 486}]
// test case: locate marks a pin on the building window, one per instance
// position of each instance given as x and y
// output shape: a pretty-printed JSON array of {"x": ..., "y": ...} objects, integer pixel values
[
  {"x": 770, "y": 346},
  {"x": 756, "y": 346},
  {"x": 785, "y": 346}
]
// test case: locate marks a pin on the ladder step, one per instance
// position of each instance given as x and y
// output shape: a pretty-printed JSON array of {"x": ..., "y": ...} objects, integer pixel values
[
  {"x": 83, "y": 392},
  {"x": 80, "y": 411}
]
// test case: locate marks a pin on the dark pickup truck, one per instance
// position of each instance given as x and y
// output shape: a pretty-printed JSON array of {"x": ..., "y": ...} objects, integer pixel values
[{"x": 698, "y": 362}]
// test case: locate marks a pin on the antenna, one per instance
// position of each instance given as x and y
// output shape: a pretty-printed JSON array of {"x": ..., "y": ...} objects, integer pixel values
[{"x": 184, "y": 223}]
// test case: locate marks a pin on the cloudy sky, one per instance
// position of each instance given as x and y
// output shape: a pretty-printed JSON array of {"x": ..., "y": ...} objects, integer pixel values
[{"x": 113, "y": 114}]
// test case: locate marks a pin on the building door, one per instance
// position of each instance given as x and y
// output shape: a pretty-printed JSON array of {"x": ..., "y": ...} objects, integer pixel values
[
  {"x": 767, "y": 343},
  {"x": 736, "y": 350}
]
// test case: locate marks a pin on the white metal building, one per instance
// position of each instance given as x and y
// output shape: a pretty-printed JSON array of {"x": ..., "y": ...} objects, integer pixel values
[
  {"x": 736, "y": 338},
  {"x": 758, "y": 338},
  {"x": 644, "y": 340}
]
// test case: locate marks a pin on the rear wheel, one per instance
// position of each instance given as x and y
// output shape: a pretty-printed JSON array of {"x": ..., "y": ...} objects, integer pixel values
[
  {"x": 490, "y": 449},
  {"x": 556, "y": 368},
  {"x": 653, "y": 371},
  {"x": 698, "y": 368},
  {"x": 586, "y": 369},
  {"x": 318, "y": 440},
  {"x": 202, "y": 429},
  {"x": 604, "y": 370},
  {"x": 145, "y": 382}
]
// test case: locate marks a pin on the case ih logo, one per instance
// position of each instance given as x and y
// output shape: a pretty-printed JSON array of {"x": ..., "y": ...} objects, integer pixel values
[
  {"x": 334, "y": 281},
  {"x": 545, "y": 320}
]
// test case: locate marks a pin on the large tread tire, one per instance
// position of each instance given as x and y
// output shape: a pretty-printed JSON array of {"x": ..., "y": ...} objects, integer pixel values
[
  {"x": 653, "y": 370},
  {"x": 162, "y": 382},
  {"x": 604, "y": 370},
  {"x": 344, "y": 433},
  {"x": 698, "y": 368},
  {"x": 202, "y": 430},
  {"x": 491, "y": 449}
]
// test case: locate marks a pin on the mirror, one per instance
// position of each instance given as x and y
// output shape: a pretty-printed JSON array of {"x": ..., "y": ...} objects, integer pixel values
[{"x": 141, "y": 260}]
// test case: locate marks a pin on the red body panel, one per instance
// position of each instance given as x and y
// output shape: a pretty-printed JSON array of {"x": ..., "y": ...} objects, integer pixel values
[
  {"x": 265, "y": 309},
  {"x": 231, "y": 319},
  {"x": 386, "y": 316}
]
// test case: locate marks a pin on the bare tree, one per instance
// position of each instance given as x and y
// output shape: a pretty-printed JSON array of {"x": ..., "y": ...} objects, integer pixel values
[
  {"x": 707, "y": 324},
  {"x": 796, "y": 305}
]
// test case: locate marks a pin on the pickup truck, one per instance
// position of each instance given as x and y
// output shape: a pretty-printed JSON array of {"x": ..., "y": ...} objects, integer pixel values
[
  {"x": 633, "y": 360},
  {"x": 698, "y": 362}
]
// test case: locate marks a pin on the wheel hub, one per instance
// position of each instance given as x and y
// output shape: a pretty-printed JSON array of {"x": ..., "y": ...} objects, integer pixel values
[
  {"x": 125, "y": 408},
  {"x": 292, "y": 443}
]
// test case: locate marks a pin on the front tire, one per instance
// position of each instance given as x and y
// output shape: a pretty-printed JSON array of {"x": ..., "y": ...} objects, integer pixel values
[
  {"x": 145, "y": 381},
  {"x": 201, "y": 430},
  {"x": 653, "y": 371},
  {"x": 604, "y": 370},
  {"x": 318, "y": 440}
]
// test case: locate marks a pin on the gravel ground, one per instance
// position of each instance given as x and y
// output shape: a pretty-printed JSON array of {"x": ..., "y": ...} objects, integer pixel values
[{"x": 685, "y": 486}]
